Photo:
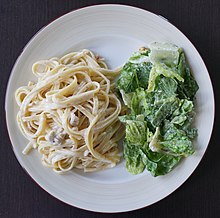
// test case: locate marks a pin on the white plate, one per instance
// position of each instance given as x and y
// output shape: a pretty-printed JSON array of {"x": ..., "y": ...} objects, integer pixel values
[{"x": 114, "y": 32}]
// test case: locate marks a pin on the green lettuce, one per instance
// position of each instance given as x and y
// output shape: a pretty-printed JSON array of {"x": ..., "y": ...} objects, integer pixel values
[
  {"x": 189, "y": 88},
  {"x": 161, "y": 69},
  {"x": 140, "y": 56},
  {"x": 165, "y": 88},
  {"x": 135, "y": 73},
  {"x": 181, "y": 114},
  {"x": 158, "y": 88},
  {"x": 166, "y": 53},
  {"x": 134, "y": 157},
  {"x": 137, "y": 159},
  {"x": 136, "y": 132},
  {"x": 168, "y": 106},
  {"x": 133, "y": 76},
  {"x": 160, "y": 163},
  {"x": 139, "y": 102},
  {"x": 175, "y": 140},
  {"x": 126, "y": 97}
]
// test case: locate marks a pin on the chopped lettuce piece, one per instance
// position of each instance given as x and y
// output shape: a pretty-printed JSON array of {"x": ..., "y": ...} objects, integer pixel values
[
  {"x": 140, "y": 56},
  {"x": 139, "y": 102},
  {"x": 175, "y": 140},
  {"x": 165, "y": 110},
  {"x": 165, "y": 88},
  {"x": 137, "y": 159},
  {"x": 160, "y": 164},
  {"x": 154, "y": 143},
  {"x": 161, "y": 69},
  {"x": 134, "y": 76},
  {"x": 124, "y": 118},
  {"x": 189, "y": 87},
  {"x": 180, "y": 115},
  {"x": 136, "y": 132},
  {"x": 134, "y": 158},
  {"x": 166, "y": 53},
  {"x": 126, "y": 97},
  {"x": 177, "y": 147}
]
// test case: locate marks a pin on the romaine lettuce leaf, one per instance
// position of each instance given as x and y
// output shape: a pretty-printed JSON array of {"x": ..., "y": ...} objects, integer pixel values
[
  {"x": 181, "y": 114},
  {"x": 124, "y": 118},
  {"x": 160, "y": 164},
  {"x": 189, "y": 88},
  {"x": 139, "y": 102},
  {"x": 175, "y": 140},
  {"x": 168, "y": 106},
  {"x": 136, "y": 132},
  {"x": 165, "y": 88},
  {"x": 137, "y": 159},
  {"x": 178, "y": 147},
  {"x": 134, "y": 158},
  {"x": 133, "y": 76},
  {"x": 161, "y": 69},
  {"x": 166, "y": 53},
  {"x": 140, "y": 56},
  {"x": 154, "y": 144},
  {"x": 126, "y": 97}
]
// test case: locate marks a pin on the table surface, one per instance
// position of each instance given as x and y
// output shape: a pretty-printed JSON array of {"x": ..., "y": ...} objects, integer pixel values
[{"x": 199, "y": 196}]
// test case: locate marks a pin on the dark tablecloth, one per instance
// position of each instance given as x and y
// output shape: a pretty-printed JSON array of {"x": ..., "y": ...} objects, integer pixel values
[{"x": 198, "y": 197}]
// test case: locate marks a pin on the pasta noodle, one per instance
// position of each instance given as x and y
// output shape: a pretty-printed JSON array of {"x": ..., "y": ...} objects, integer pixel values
[{"x": 71, "y": 115}]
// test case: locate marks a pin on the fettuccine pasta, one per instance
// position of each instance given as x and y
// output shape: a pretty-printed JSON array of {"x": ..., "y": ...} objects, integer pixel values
[{"x": 70, "y": 115}]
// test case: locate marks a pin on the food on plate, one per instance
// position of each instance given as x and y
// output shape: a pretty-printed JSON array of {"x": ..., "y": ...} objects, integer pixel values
[
  {"x": 158, "y": 88},
  {"x": 70, "y": 115}
]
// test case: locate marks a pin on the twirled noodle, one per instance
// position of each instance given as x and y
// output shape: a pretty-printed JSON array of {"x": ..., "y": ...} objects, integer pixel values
[{"x": 70, "y": 115}]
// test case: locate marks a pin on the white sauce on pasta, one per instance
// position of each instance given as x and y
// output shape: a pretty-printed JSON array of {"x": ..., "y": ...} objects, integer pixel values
[{"x": 70, "y": 114}]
